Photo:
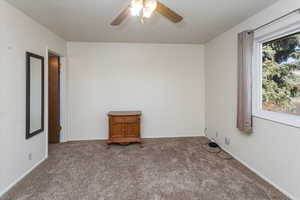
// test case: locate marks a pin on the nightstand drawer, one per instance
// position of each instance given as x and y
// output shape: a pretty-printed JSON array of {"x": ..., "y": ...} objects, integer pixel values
[{"x": 125, "y": 119}]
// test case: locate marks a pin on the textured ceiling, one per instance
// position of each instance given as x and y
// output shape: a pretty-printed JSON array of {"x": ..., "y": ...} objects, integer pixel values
[{"x": 89, "y": 20}]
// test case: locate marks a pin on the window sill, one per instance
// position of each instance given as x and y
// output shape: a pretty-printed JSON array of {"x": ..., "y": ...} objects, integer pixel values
[{"x": 281, "y": 118}]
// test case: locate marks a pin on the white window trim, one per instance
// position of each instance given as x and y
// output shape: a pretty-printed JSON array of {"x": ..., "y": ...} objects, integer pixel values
[{"x": 257, "y": 111}]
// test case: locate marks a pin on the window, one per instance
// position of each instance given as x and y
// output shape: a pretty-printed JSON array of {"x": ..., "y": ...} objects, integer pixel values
[
  {"x": 281, "y": 74},
  {"x": 276, "y": 89}
]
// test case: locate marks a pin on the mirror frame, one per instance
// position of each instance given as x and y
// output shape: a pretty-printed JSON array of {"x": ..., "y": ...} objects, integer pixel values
[{"x": 28, "y": 68}]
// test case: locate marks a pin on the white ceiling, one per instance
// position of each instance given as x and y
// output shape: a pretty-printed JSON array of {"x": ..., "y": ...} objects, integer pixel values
[{"x": 89, "y": 20}]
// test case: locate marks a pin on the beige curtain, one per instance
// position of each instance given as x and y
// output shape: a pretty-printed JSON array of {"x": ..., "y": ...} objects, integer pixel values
[{"x": 245, "y": 53}]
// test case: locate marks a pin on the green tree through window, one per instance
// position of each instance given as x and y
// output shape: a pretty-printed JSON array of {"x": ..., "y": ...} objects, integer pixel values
[{"x": 281, "y": 74}]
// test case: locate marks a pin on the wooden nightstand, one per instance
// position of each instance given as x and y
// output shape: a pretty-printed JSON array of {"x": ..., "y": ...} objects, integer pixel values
[{"x": 124, "y": 127}]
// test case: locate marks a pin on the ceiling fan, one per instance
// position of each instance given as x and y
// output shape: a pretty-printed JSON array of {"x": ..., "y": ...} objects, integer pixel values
[{"x": 144, "y": 9}]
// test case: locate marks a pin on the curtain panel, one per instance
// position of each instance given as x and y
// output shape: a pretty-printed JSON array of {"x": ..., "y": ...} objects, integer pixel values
[{"x": 244, "y": 107}]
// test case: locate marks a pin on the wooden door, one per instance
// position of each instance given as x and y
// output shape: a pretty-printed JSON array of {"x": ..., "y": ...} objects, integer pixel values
[{"x": 54, "y": 99}]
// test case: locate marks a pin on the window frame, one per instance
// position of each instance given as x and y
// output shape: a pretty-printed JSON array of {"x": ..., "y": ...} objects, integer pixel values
[{"x": 257, "y": 91}]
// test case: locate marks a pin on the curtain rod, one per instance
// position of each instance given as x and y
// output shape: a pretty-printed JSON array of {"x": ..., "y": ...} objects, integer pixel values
[{"x": 279, "y": 18}]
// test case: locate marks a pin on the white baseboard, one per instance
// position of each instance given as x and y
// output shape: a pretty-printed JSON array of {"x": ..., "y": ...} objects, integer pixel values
[
  {"x": 21, "y": 177},
  {"x": 259, "y": 174},
  {"x": 173, "y": 136},
  {"x": 147, "y": 137}
]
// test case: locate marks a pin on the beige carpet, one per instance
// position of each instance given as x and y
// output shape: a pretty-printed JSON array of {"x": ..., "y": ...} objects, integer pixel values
[{"x": 165, "y": 169}]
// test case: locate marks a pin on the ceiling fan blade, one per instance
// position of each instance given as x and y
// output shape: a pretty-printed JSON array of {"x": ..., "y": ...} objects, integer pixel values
[
  {"x": 168, "y": 13},
  {"x": 118, "y": 20}
]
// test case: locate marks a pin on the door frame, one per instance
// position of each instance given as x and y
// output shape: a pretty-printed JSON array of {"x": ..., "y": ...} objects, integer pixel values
[{"x": 63, "y": 97}]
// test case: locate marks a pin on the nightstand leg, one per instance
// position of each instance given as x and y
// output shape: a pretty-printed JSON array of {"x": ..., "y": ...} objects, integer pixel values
[{"x": 107, "y": 145}]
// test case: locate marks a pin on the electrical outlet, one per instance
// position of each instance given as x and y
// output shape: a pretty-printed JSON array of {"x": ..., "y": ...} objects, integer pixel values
[
  {"x": 30, "y": 156},
  {"x": 227, "y": 140}
]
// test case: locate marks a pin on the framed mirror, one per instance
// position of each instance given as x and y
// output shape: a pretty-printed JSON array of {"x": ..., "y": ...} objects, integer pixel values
[{"x": 34, "y": 94}]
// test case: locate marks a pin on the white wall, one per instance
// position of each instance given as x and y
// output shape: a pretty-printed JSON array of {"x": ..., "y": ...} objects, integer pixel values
[
  {"x": 165, "y": 82},
  {"x": 272, "y": 150},
  {"x": 18, "y": 34}
]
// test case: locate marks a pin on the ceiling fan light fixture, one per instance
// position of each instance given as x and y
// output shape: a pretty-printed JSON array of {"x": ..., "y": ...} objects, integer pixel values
[
  {"x": 135, "y": 7},
  {"x": 146, "y": 13},
  {"x": 149, "y": 8},
  {"x": 144, "y": 9}
]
